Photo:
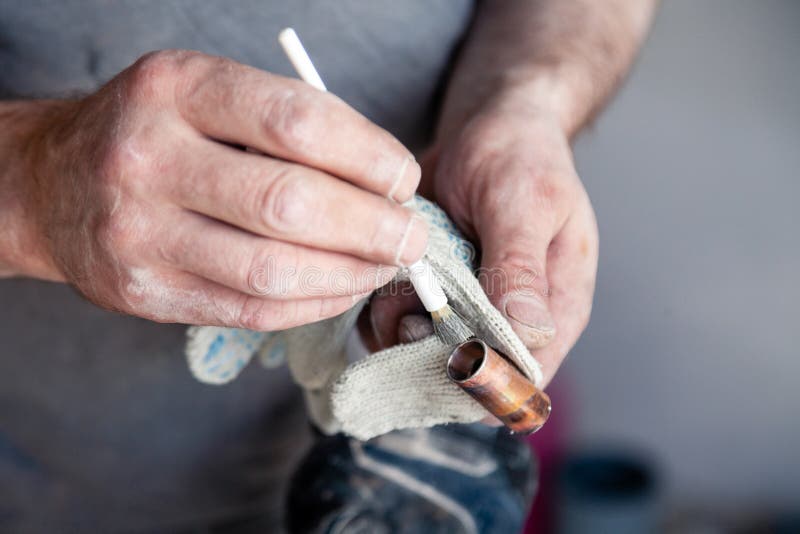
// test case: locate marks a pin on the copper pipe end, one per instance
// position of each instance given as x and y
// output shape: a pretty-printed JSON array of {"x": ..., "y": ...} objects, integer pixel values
[{"x": 499, "y": 386}]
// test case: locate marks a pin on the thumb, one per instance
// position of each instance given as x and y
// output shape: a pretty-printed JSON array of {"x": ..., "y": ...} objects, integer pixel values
[{"x": 513, "y": 275}]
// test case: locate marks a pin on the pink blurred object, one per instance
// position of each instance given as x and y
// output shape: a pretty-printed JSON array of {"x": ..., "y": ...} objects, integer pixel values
[{"x": 548, "y": 445}]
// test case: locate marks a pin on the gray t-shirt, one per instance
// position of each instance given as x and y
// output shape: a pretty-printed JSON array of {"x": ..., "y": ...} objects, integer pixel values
[{"x": 102, "y": 428}]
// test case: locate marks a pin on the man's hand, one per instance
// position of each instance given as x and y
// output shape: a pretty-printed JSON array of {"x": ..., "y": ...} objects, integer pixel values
[
  {"x": 529, "y": 76},
  {"x": 508, "y": 179},
  {"x": 143, "y": 197}
]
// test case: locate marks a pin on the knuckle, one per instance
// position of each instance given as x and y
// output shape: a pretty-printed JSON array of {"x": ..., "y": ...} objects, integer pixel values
[
  {"x": 128, "y": 157},
  {"x": 547, "y": 188},
  {"x": 184, "y": 61},
  {"x": 282, "y": 206},
  {"x": 289, "y": 118},
  {"x": 197, "y": 72},
  {"x": 155, "y": 72},
  {"x": 131, "y": 293},
  {"x": 551, "y": 193}
]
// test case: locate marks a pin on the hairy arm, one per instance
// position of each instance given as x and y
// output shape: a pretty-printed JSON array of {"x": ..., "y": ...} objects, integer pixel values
[
  {"x": 530, "y": 75},
  {"x": 563, "y": 58},
  {"x": 21, "y": 249},
  {"x": 138, "y": 196}
]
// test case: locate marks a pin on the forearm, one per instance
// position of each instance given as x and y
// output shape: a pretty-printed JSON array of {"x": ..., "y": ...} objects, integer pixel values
[
  {"x": 21, "y": 248},
  {"x": 562, "y": 58}
]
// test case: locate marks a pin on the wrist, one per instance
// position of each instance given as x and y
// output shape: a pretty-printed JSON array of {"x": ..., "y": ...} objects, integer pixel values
[
  {"x": 23, "y": 245},
  {"x": 543, "y": 94},
  {"x": 551, "y": 95}
]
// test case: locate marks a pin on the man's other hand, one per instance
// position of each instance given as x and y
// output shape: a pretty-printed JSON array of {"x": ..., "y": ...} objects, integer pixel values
[{"x": 198, "y": 190}]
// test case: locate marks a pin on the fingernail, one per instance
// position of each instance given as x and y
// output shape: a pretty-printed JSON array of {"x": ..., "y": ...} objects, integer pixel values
[
  {"x": 530, "y": 311},
  {"x": 413, "y": 243},
  {"x": 406, "y": 181}
]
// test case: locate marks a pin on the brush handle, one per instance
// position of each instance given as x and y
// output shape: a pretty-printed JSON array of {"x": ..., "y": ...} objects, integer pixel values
[
  {"x": 422, "y": 278},
  {"x": 427, "y": 286},
  {"x": 299, "y": 57}
]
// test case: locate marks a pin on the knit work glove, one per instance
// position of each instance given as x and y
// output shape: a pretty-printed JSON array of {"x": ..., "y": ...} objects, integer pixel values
[{"x": 404, "y": 386}]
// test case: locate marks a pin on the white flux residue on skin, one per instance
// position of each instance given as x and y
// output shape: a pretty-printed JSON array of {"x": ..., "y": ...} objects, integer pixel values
[{"x": 162, "y": 301}]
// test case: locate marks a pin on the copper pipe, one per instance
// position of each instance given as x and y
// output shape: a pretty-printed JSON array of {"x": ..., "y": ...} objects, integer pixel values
[{"x": 498, "y": 386}]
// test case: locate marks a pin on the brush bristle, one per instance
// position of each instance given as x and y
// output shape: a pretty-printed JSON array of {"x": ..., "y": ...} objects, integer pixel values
[{"x": 450, "y": 327}]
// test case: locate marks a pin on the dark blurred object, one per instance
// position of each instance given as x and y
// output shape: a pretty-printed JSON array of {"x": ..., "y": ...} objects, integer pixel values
[
  {"x": 709, "y": 519},
  {"x": 789, "y": 524},
  {"x": 696, "y": 520},
  {"x": 786, "y": 523},
  {"x": 448, "y": 479},
  {"x": 549, "y": 446},
  {"x": 607, "y": 491}
]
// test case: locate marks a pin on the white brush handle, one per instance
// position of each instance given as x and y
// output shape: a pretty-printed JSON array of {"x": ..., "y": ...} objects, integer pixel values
[
  {"x": 425, "y": 284},
  {"x": 299, "y": 57}
]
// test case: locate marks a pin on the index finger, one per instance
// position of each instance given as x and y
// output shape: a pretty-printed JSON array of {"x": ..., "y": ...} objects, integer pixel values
[{"x": 291, "y": 120}]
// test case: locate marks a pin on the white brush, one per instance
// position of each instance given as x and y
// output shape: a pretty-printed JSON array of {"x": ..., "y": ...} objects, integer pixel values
[{"x": 449, "y": 327}]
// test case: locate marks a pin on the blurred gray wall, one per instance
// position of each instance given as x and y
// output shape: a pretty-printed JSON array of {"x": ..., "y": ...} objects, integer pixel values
[{"x": 694, "y": 346}]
